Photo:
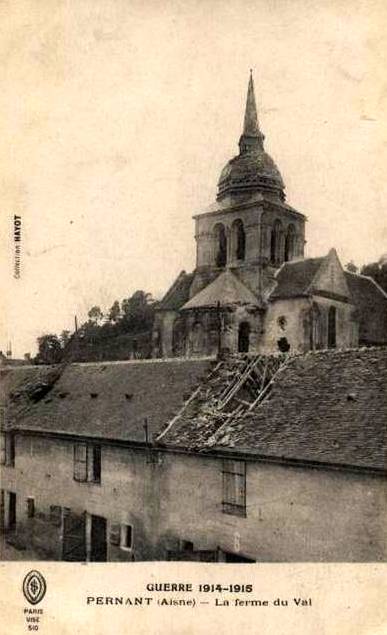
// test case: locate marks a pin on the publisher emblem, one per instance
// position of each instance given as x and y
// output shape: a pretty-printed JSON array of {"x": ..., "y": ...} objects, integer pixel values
[{"x": 34, "y": 587}]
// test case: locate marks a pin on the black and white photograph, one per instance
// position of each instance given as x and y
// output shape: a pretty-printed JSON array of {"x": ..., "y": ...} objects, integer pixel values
[{"x": 193, "y": 333}]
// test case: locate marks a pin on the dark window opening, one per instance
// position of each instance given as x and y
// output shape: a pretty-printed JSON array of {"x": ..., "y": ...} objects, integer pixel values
[
  {"x": 283, "y": 345},
  {"x": 30, "y": 507},
  {"x": 239, "y": 240},
  {"x": 289, "y": 243},
  {"x": 275, "y": 243},
  {"x": 244, "y": 337},
  {"x": 187, "y": 545},
  {"x": 332, "y": 327},
  {"x": 96, "y": 467},
  {"x": 221, "y": 245},
  {"x": 234, "y": 487},
  {"x": 126, "y": 536}
]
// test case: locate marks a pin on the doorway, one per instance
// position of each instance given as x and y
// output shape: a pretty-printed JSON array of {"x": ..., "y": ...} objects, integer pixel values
[
  {"x": 12, "y": 511},
  {"x": 244, "y": 337},
  {"x": 98, "y": 551},
  {"x": 74, "y": 536}
]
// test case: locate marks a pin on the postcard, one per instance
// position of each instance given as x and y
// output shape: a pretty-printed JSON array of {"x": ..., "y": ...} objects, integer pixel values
[{"x": 193, "y": 324}]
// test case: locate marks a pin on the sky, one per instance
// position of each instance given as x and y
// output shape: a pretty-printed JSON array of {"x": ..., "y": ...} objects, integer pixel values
[{"x": 116, "y": 118}]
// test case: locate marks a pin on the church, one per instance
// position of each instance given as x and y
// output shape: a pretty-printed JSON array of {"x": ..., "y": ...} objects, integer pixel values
[{"x": 252, "y": 290}]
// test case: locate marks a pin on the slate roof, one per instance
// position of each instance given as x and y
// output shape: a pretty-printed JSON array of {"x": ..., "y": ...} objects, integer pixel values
[
  {"x": 226, "y": 289},
  {"x": 371, "y": 302},
  {"x": 178, "y": 293},
  {"x": 324, "y": 407},
  {"x": 109, "y": 400},
  {"x": 294, "y": 278}
]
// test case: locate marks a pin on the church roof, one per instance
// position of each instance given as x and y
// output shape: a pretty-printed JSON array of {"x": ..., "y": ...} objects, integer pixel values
[
  {"x": 178, "y": 293},
  {"x": 225, "y": 290},
  {"x": 294, "y": 278},
  {"x": 371, "y": 302},
  {"x": 325, "y": 407}
]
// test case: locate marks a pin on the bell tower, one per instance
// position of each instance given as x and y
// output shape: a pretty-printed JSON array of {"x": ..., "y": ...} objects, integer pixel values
[{"x": 250, "y": 229}]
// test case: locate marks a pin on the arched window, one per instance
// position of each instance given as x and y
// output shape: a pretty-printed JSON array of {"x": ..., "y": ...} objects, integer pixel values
[
  {"x": 238, "y": 240},
  {"x": 220, "y": 245},
  {"x": 244, "y": 337},
  {"x": 289, "y": 243},
  {"x": 197, "y": 338},
  {"x": 332, "y": 327},
  {"x": 275, "y": 243},
  {"x": 316, "y": 328},
  {"x": 178, "y": 337}
]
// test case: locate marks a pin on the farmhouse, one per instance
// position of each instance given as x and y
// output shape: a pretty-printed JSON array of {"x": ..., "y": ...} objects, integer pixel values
[{"x": 249, "y": 458}]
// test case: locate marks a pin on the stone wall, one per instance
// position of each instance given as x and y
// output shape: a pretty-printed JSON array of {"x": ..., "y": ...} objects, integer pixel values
[{"x": 292, "y": 513}]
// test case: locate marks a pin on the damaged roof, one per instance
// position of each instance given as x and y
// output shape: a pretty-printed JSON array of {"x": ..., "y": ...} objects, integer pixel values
[
  {"x": 106, "y": 400},
  {"x": 326, "y": 407}
]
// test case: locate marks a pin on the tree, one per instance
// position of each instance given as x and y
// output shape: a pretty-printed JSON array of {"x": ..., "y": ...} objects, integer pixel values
[
  {"x": 95, "y": 315},
  {"x": 114, "y": 312},
  {"x": 64, "y": 338},
  {"x": 137, "y": 312},
  {"x": 377, "y": 271},
  {"x": 49, "y": 349},
  {"x": 350, "y": 266}
]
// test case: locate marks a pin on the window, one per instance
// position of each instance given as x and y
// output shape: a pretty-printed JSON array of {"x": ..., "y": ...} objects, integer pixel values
[
  {"x": 126, "y": 541},
  {"x": 238, "y": 240},
  {"x": 220, "y": 245},
  {"x": 244, "y": 337},
  {"x": 178, "y": 337},
  {"x": 197, "y": 338},
  {"x": 234, "y": 487},
  {"x": 317, "y": 341},
  {"x": 332, "y": 327},
  {"x": 289, "y": 243},
  {"x": 30, "y": 507},
  {"x": 7, "y": 449},
  {"x": 87, "y": 462},
  {"x": 276, "y": 243}
]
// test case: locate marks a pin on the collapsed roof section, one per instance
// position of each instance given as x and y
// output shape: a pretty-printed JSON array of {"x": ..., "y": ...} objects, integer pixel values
[{"x": 322, "y": 407}]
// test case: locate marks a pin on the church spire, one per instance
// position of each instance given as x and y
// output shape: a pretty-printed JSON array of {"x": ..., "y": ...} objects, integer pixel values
[{"x": 252, "y": 138}]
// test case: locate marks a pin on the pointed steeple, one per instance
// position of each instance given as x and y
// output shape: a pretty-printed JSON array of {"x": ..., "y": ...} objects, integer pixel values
[{"x": 252, "y": 138}]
